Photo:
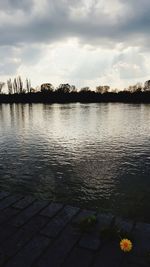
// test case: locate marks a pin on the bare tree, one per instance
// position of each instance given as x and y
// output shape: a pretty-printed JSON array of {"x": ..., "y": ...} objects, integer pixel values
[
  {"x": 64, "y": 88},
  {"x": 19, "y": 85},
  {"x": 135, "y": 88},
  {"x": 106, "y": 88},
  {"x": 1, "y": 86},
  {"x": 15, "y": 86},
  {"x": 73, "y": 89},
  {"x": 10, "y": 86},
  {"x": 85, "y": 89},
  {"x": 47, "y": 87},
  {"x": 101, "y": 89},
  {"x": 28, "y": 85},
  {"x": 146, "y": 86},
  {"x": 139, "y": 87}
]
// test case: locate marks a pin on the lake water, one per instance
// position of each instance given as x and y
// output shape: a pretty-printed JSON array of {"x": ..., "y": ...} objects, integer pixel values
[{"x": 91, "y": 155}]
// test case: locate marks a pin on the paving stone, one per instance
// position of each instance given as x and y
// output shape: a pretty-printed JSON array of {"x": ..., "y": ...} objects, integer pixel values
[
  {"x": 129, "y": 264},
  {"x": 56, "y": 254},
  {"x": 30, "y": 252},
  {"x": 109, "y": 255},
  {"x": 141, "y": 239},
  {"x": 8, "y": 201},
  {"x": 125, "y": 225},
  {"x": 21, "y": 237},
  {"x": 29, "y": 212},
  {"x": 79, "y": 257},
  {"x": 51, "y": 210},
  {"x": 82, "y": 214},
  {"x": 56, "y": 225},
  {"x": 39, "y": 234},
  {"x": 23, "y": 203},
  {"x": 90, "y": 241},
  {"x": 104, "y": 220},
  {"x": 7, "y": 214},
  {"x": 3, "y": 195},
  {"x": 6, "y": 231},
  {"x": 141, "y": 261}
]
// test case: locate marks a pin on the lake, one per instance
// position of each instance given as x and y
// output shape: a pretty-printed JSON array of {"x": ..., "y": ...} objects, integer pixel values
[{"x": 89, "y": 155}]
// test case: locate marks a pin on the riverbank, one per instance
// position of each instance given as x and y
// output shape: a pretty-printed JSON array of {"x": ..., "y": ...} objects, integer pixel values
[
  {"x": 73, "y": 97},
  {"x": 39, "y": 233}
]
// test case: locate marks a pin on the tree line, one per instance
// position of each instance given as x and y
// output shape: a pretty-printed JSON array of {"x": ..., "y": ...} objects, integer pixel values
[
  {"x": 16, "y": 86},
  {"x": 17, "y": 91}
]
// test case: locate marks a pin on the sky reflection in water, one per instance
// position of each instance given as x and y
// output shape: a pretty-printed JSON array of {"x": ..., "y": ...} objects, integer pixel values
[{"x": 92, "y": 155}]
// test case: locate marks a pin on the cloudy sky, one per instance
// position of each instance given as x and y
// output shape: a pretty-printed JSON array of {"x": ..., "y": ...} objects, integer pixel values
[{"x": 82, "y": 42}]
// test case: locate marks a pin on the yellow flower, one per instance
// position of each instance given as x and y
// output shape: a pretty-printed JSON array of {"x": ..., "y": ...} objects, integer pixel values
[{"x": 126, "y": 245}]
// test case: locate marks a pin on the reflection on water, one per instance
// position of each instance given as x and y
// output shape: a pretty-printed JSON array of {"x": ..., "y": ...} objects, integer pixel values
[{"x": 92, "y": 155}]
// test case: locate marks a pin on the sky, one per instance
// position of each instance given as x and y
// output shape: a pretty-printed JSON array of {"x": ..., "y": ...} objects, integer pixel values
[{"x": 80, "y": 42}]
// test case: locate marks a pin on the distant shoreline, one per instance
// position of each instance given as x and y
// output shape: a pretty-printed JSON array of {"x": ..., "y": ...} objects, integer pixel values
[{"x": 73, "y": 97}]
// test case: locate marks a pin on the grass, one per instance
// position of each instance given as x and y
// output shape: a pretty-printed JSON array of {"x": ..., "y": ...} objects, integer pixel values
[{"x": 87, "y": 223}]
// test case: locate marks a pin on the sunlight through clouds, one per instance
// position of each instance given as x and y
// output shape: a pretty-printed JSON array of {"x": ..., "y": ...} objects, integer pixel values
[{"x": 81, "y": 42}]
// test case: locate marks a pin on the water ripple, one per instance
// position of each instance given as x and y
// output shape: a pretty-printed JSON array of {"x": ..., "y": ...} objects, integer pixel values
[{"x": 94, "y": 155}]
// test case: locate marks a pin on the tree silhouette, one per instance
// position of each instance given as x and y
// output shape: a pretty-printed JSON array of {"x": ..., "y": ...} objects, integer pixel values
[
  {"x": 15, "y": 86},
  {"x": 28, "y": 85},
  {"x": 85, "y": 89},
  {"x": 146, "y": 86},
  {"x": 47, "y": 87},
  {"x": 66, "y": 93},
  {"x": 10, "y": 86},
  {"x": 1, "y": 86},
  {"x": 64, "y": 88},
  {"x": 19, "y": 85},
  {"x": 101, "y": 89},
  {"x": 73, "y": 89}
]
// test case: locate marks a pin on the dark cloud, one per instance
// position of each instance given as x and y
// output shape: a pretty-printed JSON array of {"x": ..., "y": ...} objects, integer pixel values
[
  {"x": 14, "y": 5},
  {"x": 57, "y": 20},
  {"x": 27, "y": 25}
]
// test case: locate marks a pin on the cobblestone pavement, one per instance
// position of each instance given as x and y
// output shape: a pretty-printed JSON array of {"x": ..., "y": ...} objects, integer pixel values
[{"x": 39, "y": 233}]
